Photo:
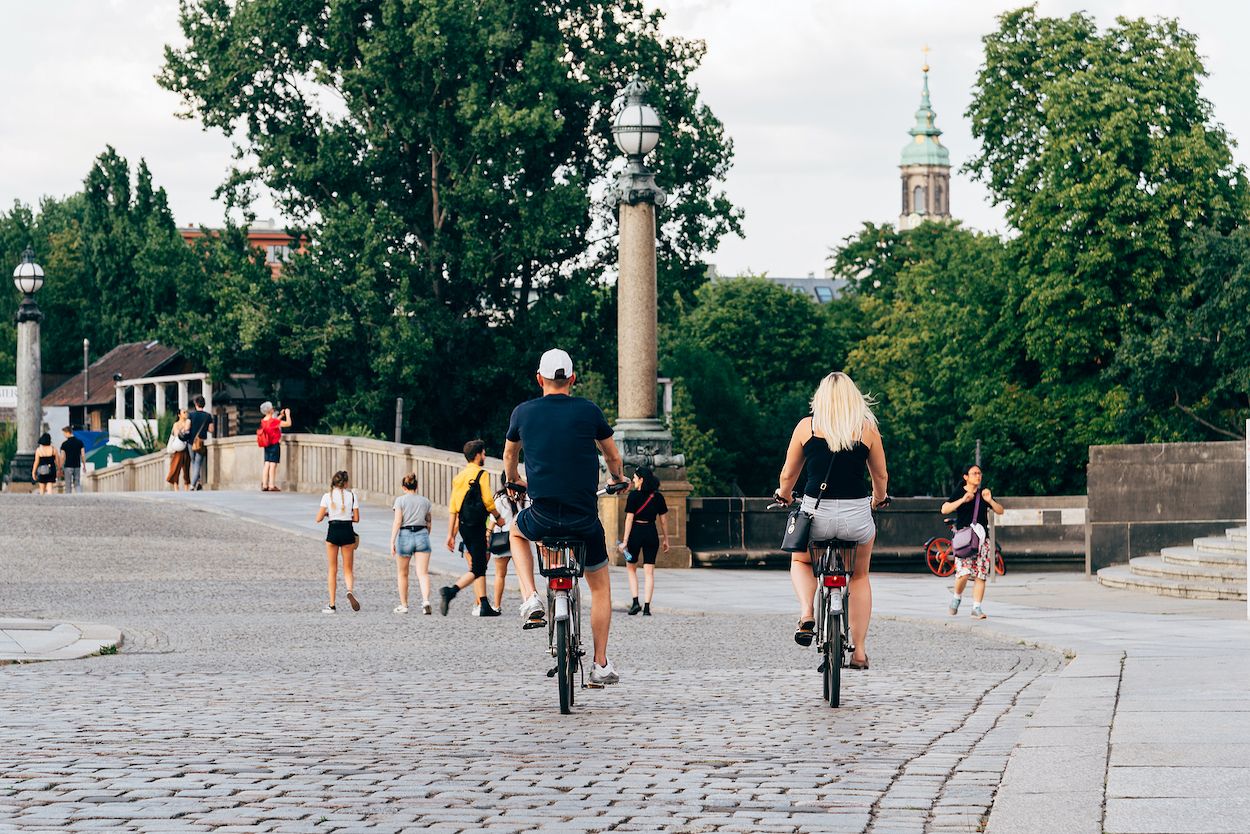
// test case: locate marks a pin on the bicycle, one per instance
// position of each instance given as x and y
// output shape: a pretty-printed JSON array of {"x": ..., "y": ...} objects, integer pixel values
[
  {"x": 941, "y": 562},
  {"x": 561, "y": 561},
  {"x": 833, "y": 563}
]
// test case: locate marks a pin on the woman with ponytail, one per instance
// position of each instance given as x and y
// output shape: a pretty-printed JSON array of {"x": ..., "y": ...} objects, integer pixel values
[
  {"x": 645, "y": 510},
  {"x": 340, "y": 506}
]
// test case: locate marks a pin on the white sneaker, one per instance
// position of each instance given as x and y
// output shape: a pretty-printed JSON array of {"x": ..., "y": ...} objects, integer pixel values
[
  {"x": 401, "y": 609},
  {"x": 603, "y": 675},
  {"x": 425, "y": 608},
  {"x": 533, "y": 611},
  {"x": 476, "y": 612},
  {"x": 329, "y": 609}
]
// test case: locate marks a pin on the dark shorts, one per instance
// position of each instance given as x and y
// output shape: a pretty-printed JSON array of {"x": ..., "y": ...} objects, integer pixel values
[
  {"x": 539, "y": 521},
  {"x": 479, "y": 554},
  {"x": 644, "y": 542},
  {"x": 341, "y": 533},
  {"x": 273, "y": 454}
]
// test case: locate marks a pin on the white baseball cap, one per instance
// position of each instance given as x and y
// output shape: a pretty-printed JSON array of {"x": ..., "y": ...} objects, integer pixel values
[{"x": 555, "y": 364}]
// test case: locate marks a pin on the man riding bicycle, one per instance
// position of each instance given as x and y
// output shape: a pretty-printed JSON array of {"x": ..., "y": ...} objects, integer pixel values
[{"x": 562, "y": 436}]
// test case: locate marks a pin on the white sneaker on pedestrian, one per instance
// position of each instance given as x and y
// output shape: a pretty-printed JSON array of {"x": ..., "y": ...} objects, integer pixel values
[
  {"x": 476, "y": 612},
  {"x": 603, "y": 675},
  {"x": 401, "y": 609},
  {"x": 329, "y": 609},
  {"x": 425, "y": 608},
  {"x": 533, "y": 612}
]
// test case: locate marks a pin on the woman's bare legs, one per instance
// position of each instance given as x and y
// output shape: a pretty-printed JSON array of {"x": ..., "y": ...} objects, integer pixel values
[
  {"x": 804, "y": 582},
  {"x": 632, "y": 567},
  {"x": 332, "y": 570},
  {"x": 861, "y": 601},
  {"x": 401, "y": 578},
  {"x": 423, "y": 574},
  {"x": 501, "y": 576},
  {"x": 349, "y": 578},
  {"x": 648, "y": 572}
]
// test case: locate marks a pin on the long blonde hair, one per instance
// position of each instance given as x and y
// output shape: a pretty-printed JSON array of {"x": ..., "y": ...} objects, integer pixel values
[{"x": 839, "y": 412}]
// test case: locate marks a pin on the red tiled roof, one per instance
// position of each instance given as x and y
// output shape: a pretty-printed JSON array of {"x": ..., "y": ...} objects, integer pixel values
[{"x": 132, "y": 361}]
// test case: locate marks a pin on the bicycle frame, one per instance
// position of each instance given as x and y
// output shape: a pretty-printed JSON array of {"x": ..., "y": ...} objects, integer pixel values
[{"x": 833, "y": 563}]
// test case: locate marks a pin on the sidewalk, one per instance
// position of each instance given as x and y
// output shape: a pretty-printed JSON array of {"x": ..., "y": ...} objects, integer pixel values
[
  {"x": 1150, "y": 716},
  {"x": 26, "y": 641}
]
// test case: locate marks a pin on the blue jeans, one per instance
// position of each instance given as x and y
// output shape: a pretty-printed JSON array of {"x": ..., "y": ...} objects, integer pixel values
[
  {"x": 199, "y": 467},
  {"x": 73, "y": 479},
  {"x": 541, "y": 520}
]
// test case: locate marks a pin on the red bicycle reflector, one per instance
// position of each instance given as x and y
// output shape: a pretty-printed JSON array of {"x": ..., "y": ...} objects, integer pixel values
[
  {"x": 835, "y": 581},
  {"x": 561, "y": 583}
]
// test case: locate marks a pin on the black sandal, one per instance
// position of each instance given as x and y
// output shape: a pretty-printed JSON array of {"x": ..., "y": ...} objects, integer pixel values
[
  {"x": 854, "y": 664},
  {"x": 805, "y": 632}
]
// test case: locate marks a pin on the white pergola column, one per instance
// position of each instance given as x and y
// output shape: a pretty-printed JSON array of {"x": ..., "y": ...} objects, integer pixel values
[
  {"x": 184, "y": 397},
  {"x": 119, "y": 410},
  {"x": 137, "y": 400},
  {"x": 160, "y": 400},
  {"x": 206, "y": 388}
]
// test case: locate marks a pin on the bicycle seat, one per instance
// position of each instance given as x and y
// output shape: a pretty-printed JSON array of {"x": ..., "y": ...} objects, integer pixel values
[
  {"x": 562, "y": 541},
  {"x": 836, "y": 544}
]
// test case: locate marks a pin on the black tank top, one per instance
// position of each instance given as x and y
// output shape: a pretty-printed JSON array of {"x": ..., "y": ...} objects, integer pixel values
[{"x": 848, "y": 475}]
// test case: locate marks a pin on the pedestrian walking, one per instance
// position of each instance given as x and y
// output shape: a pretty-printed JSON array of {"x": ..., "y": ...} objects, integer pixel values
[
  {"x": 269, "y": 438},
  {"x": 43, "y": 470},
  {"x": 471, "y": 504},
  {"x": 832, "y": 449},
  {"x": 179, "y": 452},
  {"x": 341, "y": 507},
  {"x": 509, "y": 506},
  {"x": 645, "y": 510},
  {"x": 72, "y": 451},
  {"x": 201, "y": 430},
  {"x": 971, "y": 502},
  {"x": 410, "y": 541}
]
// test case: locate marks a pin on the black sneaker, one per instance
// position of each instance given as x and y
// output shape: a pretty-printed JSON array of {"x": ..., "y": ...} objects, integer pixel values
[
  {"x": 634, "y": 608},
  {"x": 487, "y": 610},
  {"x": 447, "y": 593},
  {"x": 646, "y": 610}
]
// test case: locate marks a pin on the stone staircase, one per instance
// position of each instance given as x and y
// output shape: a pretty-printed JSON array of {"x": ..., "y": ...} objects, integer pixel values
[{"x": 1214, "y": 567}]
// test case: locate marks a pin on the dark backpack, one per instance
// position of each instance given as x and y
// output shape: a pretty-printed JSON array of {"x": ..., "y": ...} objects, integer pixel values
[{"x": 473, "y": 508}]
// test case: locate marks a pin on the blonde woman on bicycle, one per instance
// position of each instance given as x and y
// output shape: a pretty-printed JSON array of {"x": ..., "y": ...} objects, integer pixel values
[{"x": 839, "y": 446}]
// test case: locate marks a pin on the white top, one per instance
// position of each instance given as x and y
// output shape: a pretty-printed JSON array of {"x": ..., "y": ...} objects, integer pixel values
[
  {"x": 505, "y": 508},
  {"x": 339, "y": 504}
]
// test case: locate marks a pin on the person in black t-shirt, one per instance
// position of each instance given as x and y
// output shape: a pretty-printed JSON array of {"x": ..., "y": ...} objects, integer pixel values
[
  {"x": 645, "y": 510},
  {"x": 71, "y": 461},
  {"x": 963, "y": 503},
  {"x": 201, "y": 428},
  {"x": 562, "y": 437}
]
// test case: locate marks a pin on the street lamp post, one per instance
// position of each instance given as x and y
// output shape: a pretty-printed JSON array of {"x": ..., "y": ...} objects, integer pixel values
[
  {"x": 644, "y": 440},
  {"x": 28, "y": 277}
]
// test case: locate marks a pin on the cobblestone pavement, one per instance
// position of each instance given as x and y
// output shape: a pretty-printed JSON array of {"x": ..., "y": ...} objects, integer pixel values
[{"x": 235, "y": 705}]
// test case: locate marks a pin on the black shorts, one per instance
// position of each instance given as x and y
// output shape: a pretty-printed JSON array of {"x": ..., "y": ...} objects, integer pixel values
[
  {"x": 644, "y": 542},
  {"x": 540, "y": 520},
  {"x": 273, "y": 454},
  {"x": 479, "y": 553},
  {"x": 341, "y": 533}
]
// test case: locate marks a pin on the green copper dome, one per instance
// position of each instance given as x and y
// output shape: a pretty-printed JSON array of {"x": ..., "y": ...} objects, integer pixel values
[{"x": 925, "y": 148}]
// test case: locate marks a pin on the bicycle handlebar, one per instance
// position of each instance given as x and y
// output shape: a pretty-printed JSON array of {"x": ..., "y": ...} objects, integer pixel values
[
  {"x": 606, "y": 489},
  {"x": 777, "y": 503}
]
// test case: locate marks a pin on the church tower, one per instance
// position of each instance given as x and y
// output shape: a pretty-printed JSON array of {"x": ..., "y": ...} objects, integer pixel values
[{"x": 925, "y": 168}]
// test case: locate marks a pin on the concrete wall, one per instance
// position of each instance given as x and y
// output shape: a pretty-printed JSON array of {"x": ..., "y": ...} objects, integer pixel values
[
  {"x": 1147, "y": 496},
  {"x": 740, "y": 531}
]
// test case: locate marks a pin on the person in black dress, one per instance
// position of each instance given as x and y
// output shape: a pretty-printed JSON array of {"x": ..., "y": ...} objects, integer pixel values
[
  {"x": 645, "y": 511},
  {"x": 43, "y": 470}
]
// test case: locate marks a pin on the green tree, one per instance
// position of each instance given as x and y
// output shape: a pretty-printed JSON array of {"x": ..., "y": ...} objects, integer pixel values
[{"x": 1104, "y": 153}]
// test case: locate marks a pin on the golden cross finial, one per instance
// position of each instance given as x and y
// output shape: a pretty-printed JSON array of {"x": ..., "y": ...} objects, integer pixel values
[{"x": 926, "y": 57}]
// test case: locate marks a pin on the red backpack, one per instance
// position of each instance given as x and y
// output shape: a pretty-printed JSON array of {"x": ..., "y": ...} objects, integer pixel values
[{"x": 264, "y": 437}]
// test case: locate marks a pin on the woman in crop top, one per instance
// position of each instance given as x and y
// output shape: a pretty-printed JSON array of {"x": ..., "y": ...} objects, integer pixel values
[
  {"x": 645, "y": 511},
  {"x": 835, "y": 450}
]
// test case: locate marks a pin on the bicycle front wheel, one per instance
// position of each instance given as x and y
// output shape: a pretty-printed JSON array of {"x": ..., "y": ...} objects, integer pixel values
[
  {"x": 833, "y": 659},
  {"x": 564, "y": 666},
  {"x": 939, "y": 557}
]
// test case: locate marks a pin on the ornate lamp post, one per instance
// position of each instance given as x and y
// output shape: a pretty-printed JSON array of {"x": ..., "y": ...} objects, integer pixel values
[
  {"x": 644, "y": 440},
  {"x": 28, "y": 277}
]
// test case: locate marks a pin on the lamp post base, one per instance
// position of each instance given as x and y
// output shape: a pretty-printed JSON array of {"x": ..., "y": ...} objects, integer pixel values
[{"x": 646, "y": 442}]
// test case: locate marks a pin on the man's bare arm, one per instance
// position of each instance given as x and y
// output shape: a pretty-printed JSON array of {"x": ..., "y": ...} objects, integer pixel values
[
  {"x": 612, "y": 457},
  {"x": 511, "y": 461}
]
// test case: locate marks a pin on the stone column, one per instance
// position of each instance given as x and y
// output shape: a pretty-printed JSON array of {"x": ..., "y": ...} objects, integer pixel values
[
  {"x": 206, "y": 387},
  {"x": 184, "y": 396},
  {"x": 636, "y": 350},
  {"x": 119, "y": 410},
  {"x": 160, "y": 400},
  {"x": 136, "y": 396},
  {"x": 29, "y": 393}
]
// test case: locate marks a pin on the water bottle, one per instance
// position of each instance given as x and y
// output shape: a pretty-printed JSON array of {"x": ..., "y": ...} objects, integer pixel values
[{"x": 629, "y": 557}]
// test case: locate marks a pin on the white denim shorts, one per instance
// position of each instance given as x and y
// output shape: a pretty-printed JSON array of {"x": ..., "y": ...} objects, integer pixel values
[{"x": 849, "y": 519}]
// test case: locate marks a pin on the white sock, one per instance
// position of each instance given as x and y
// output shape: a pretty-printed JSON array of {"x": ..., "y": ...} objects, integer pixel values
[{"x": 956, "y": 597}]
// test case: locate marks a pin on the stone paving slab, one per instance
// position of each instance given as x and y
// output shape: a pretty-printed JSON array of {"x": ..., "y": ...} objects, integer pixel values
[{"x": 28, "y": 641}]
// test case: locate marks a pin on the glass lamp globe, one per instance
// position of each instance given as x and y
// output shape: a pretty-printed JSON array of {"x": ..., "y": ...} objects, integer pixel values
[
  {"x": 636, "y": 129},
  {"x": 28, "y": 277}
]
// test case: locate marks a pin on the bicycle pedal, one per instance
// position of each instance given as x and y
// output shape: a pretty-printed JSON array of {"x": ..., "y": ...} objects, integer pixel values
[
  {"x": 551, "y": 673},
  {"x": 592, "y": 685},
  {"x": 821, "y": 667},
  {"x": 530, "y": 624}
]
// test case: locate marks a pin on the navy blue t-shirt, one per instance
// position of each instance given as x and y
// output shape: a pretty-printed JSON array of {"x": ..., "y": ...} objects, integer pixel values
[{"x": 558, "y": 433}]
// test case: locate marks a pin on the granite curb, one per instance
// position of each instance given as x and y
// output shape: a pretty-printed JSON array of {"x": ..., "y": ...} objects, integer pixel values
[{"x": 30, "y": 641}]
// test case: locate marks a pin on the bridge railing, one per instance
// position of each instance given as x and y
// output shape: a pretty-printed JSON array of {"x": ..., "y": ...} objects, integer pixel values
[{"x": 309, "y": 461}]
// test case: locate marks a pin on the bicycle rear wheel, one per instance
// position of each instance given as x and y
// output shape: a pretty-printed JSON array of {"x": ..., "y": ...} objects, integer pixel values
[
  {"x": 564, "y": 666},
  {"x": 833, "y": 659},
  {"x": 939, "y": 558}
]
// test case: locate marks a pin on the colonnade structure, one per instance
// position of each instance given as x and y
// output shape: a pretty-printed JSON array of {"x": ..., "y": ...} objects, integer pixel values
[{"x": 137, "y": 390}]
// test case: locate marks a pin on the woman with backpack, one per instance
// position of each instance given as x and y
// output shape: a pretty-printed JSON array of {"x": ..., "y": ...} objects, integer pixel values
[
  {"x": 340, "y": 506},
  {"x": 269, "y": 438},
  {"x": 471, "y": 503},
  {"x": 969, "y": 503},
  {"x": 645, "y": 510}
]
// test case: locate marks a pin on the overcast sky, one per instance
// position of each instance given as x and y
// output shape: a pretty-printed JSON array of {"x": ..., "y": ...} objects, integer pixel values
[{"x": 818, "y": 96}]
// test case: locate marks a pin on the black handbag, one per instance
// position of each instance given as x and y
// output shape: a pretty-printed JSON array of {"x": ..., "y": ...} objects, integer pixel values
[
  {"x": 499, "y": 543},
  {"x": 799, "y": 522}
]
